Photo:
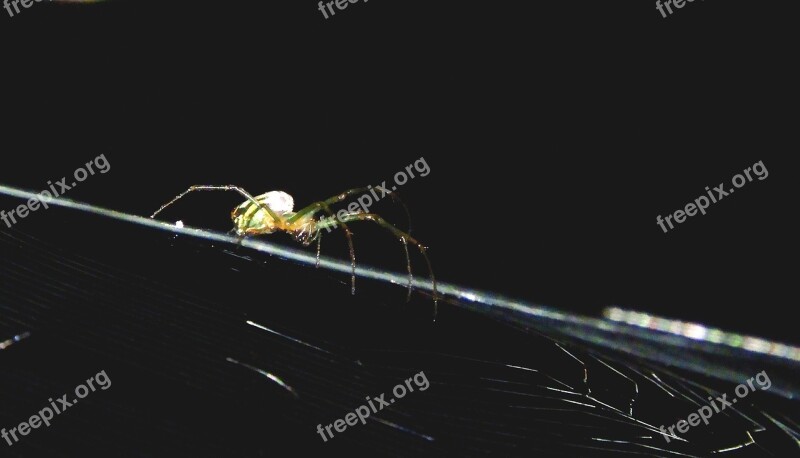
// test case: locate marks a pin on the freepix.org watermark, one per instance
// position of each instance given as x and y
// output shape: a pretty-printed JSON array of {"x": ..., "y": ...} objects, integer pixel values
[
  {"x": 701, "y": 203},
  {"x": 366, "y": 200},
  {"x": 80, "y": 174},
  {"x": 8, "y": 4},
  {"x": 340, "y": 5},
  {"x": 705, "y": 412},
  {"x": 46, "y": 414},
  {"x": 668, "y": 5},
  {"x": 363, "y": 412}
]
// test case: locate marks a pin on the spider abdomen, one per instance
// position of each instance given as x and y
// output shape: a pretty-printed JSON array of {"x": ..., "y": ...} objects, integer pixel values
[{"x": 249, "y": 218}]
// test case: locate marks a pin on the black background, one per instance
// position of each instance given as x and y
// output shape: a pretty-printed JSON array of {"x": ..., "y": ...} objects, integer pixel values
[{"x": 555, "y": 133}]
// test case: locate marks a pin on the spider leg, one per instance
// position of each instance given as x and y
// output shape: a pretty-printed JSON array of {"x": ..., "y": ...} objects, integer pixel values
[
  {"x": 320, "y": 205},
  {"x": 325, "y": 205},
  {"x": 328, "y": 224},
  {"x": 316, "y": 206},
  {"x": 404, "y": 237},
  {"x": 319, "y": 247},
  {"x": 347, "y": 233},
  {"x": 408, "y": 266},
  {"x": 239, "y": 237},
  {"x": 219, "y": 188},
  {"x": 396, "y": 199}
]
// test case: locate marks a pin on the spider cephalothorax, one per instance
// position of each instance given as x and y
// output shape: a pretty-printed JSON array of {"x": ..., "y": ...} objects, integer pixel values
[{"x": 274, "y": 211}]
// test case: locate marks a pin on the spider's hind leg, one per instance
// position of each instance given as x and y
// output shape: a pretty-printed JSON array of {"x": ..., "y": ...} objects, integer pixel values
[
  {"x": 404, "y": 237},
  {"x": 325, "y": 205},
  {"x": 347, "y": 233},
  {"x": 408, "y": 266}
]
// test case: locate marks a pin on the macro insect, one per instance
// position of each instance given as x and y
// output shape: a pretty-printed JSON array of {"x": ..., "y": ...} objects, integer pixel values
[{"x": 274, "y": 212}]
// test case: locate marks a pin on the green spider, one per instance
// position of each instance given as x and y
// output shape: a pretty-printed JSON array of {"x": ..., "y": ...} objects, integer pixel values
[{"x": 273, "y": 211}]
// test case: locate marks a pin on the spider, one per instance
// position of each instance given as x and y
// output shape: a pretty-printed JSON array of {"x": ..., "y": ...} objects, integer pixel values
[{"x": 273, "y": 211}]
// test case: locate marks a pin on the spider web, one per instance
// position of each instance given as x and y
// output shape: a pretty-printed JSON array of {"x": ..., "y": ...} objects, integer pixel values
[{"x": 197, "y": 372}]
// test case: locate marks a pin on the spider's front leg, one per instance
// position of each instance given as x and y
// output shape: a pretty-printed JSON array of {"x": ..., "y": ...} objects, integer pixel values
[{"x": 238, "y": 189}]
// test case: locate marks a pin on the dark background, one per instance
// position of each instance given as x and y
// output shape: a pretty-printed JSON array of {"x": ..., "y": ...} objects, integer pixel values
[{"x": 555, "y": 134}]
